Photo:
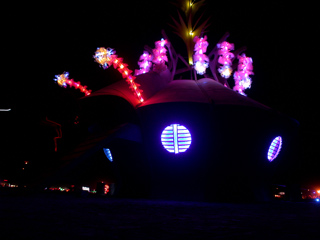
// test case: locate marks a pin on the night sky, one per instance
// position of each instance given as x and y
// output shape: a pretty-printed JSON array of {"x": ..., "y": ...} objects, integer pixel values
[{"x": 282, "y": 40}]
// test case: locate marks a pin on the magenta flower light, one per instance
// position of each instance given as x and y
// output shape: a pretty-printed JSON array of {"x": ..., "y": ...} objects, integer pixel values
[
  {"x": 160, "y": 56},
  {"x": 225, "y": 58},
  {"x": 241, "y": 76},
  {"x": 200, "y": 59},
  {"x": 144, "y": 63}
]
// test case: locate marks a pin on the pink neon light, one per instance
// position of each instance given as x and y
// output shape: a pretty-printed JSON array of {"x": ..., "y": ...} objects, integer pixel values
[
  {"x": 200, "y": 59},
  {"x": 158, "y": 58},
  {"x": 63, "y": 80},
  {"x": 225, "y": 58},
  {"x": 241, "y": 76},
  {"x": 144, "y": 63},
  {"x": 107, "y": 57}
]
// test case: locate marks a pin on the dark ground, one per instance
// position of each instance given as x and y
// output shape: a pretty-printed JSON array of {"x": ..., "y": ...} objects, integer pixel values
[{"x": 56, "y": 216}]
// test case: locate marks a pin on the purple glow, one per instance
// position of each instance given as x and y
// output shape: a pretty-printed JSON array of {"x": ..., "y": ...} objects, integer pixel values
[
  {"x": 274, "y": 148},
  {"x": 200, "y": 58},
  {"x": 241, "y": 76},
  {"x": 176, "y": 138},
  {"x": 160, "y": 56},
  {"x": 144, "y": 63},
  {"x": 225, "y": 58}
]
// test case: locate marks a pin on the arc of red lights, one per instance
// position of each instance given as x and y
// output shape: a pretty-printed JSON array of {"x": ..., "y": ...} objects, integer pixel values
[
  {"x": 107, "y": 57},
  {"x": 63, "y": 80}
]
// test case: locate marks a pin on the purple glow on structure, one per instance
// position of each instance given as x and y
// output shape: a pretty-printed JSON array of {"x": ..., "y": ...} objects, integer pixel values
[
  {"x": 274, "y": 148},
  {"x": 176, "y": 138}
]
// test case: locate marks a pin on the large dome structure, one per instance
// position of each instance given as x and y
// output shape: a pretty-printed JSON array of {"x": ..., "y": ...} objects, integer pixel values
[{"x": 186, "y": 138}]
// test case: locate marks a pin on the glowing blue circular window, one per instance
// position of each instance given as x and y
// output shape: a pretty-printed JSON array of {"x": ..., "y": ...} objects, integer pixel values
[
  {"x": 274, "y": 148},
  {"x": 176, "y": 138},
  {"x": 108, "y": 154}
]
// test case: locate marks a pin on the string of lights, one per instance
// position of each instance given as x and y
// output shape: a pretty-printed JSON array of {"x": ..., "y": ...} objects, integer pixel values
[
  {"x": 63, "y": 81},
  {"x": 107, "y": 57}
]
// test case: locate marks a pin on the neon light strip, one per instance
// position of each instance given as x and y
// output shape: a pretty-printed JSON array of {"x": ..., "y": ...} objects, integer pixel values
[
  {"x": 175, "y": 138},
  {"x": 5, "y": 109},
  {"x": 107, "y": 57},
  {"x": 63, "y": 80}
]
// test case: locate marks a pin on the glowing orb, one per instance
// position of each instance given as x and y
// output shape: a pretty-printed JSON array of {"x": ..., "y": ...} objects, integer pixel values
[
  {"x": 274, "y": 148},
  {"x": 176, "y": 138}
]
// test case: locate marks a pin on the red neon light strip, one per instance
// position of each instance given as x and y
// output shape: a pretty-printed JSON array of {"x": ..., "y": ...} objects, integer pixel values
[{"x": 106, "y": 58}]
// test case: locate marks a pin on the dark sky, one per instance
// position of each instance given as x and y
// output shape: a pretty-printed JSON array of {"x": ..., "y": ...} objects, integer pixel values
[{"x": 42, "y": 40}]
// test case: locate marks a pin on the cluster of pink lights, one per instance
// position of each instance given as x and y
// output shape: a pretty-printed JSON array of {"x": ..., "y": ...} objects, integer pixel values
[
  {"x": 158, "y": 58},
  {"x": 200, "y": 59},
  {"x": 144, "y": 63},
  {"x": 107, "y": 57},
  {"x": 241, "y": 76},
  {"x": 63, "y": 80},
  {"x": 225, "y": 58}
]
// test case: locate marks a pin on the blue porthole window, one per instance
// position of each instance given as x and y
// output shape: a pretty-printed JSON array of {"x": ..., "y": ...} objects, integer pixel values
[
  {"x": 176, "y": 138},
  {"x": 108, "y": 154},
  {"x": 274, "y": 148}
]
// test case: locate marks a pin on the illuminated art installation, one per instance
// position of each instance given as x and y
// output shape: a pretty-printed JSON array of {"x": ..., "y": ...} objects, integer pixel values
[
  {"x": 200, "y": 59},
  {"x": 225, "y": 58},
  {"x": 63, "y": 80},
  {"x": 173, "y": 140},
  {"x": 107, "y": 57},
  {"x": 176, "y": 138},
  {"x": 241, "y": 77},
  {"x": 274, "y": 148}
]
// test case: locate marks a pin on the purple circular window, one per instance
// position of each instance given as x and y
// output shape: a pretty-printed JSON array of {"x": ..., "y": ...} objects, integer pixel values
[
  {"x": 176, "y": 138},
  {"x": 274, "y": 148}
]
